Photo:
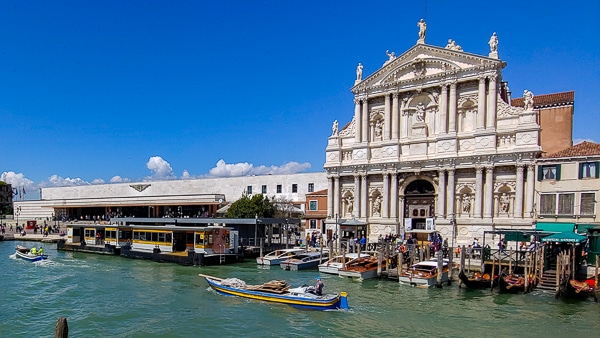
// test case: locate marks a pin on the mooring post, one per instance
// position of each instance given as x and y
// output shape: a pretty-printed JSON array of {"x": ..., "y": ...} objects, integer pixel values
[
  {"x": 261, "y": 246},
  {"x": 440, "y": 269},
  {"x": 400, "y": 261},
  {"x": 379, "y": 263},
  {"x": 62, "y": 328}
]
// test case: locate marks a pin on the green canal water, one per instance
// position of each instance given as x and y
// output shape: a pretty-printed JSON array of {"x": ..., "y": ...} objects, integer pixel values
[{"x": 104, "y": 296}]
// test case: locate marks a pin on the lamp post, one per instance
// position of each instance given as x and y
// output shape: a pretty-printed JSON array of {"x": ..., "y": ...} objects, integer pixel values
[{"x": 18, "y": 212}]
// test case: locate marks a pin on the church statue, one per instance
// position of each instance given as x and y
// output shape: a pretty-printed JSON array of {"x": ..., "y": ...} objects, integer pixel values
[
  {"x": 420, "y": 115},
  {"x": 359, "y": 69},
  {"x": 504, "y": 201},
  {"x": 528, "y": 100},
  {"x": 334, "y": 128},
  {"x": 377, "y": 206},
  {"x": 349, "y": 204},
  {"x": 391, "y": 56},
  {"x": 493, "y": 43},
  {"x": 466, "y": 203},
  {"x": 422, "y": 30}
]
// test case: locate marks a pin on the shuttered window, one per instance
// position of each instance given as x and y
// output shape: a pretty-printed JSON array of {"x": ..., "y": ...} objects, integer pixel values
[
  {"x": 587, "y": 203},
  {"x": 566, "y": 203},
  {"x": 548, "y": 204},
  {"x": 549, "y": 172}
]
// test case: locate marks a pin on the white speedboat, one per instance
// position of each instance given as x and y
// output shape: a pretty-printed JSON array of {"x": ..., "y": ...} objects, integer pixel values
[
  {"x": 334, "y": 264},
  {"x": 277, "y": 256},
  {"x": 423, "y": 274},
  {"x": 305, "y": 260}
]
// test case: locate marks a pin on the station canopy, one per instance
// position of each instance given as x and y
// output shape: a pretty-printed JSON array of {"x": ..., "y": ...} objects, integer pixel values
[{"x": 564, "y": 237}]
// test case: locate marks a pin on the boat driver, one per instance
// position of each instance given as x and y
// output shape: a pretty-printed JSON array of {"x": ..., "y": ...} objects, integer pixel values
[
  {"x": 40, "y": 251},
  {"x": 319, "y": 287}
]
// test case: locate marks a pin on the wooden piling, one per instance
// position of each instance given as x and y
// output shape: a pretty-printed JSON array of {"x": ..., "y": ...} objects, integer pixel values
[
  {"x": 262, "y": 240},
  {"x": 558, "y": 268},
  {"x": 379, "y": 264},
  {"x": 526, "y": 278},
  {"x": 493, "y": 273},
  {"x": 62, "y": 328},
  {"x": 510, "y": 268},
  {"x": 596, "y": 280},
  {"x": 450, "y": 272},
  {"x": 440, "y": 269},
  {"x": 400, "y": 261}
]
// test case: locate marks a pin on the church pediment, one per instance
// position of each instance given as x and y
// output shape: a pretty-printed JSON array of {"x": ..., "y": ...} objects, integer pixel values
[{"x": 427, "y": 63}]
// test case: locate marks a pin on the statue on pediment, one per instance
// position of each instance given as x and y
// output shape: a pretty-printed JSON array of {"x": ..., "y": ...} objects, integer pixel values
[
  {"x": 334, "y": 128},
  {"x": 391, "y": 57},
  {"x": 453, "y": 46},
  {"x": 422, "y": 30},
  {"x": 528, "y": 100},
  {"x": 493, "y": 43},
  {"x": 359, "y": 69}
]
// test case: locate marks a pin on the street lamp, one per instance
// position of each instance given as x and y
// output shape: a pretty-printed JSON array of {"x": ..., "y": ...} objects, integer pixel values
[{"x": 18, "y": 212}]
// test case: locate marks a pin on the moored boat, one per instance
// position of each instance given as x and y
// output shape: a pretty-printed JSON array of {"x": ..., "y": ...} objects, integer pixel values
[
  {"x": 277, "y": 256},
  {"x": 362, "y": 268},
  {"x": 581, "y": 289},
  {"x": 423, "y": 274},
  {"x": 334, "y": 264},
  {"x": 305, "y": 260},
  {"x": 278, "y": 292},
  {"x": 513, "y": 283},
  {"x": 478, "y": 280}
]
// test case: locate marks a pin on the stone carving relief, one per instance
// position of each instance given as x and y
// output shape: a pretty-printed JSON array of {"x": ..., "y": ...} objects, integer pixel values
[
  {"x": 505, "y": 110},
  {"x": 419, "y": 68},
  {"x": 350, "y": 130},
  {"x": 376, "y": 205},
  {"x": 505, "y": 140},
  {"x": 347, "y": 155},
  {"x": 453, "y": 46}
]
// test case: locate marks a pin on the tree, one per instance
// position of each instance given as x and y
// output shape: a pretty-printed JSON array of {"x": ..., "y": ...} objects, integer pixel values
[
  {"x": 250, "y": 207},
  {"x": 284, "y": 207}
]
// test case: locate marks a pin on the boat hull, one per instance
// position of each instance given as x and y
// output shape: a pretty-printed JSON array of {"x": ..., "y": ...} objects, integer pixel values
[
  {"x": 422, "y": 282},
  {"x": 513, "y": 284},
  {"x": 472, "y": 283},
  {"x": 300, "y": 266},
  {"x": 325, "y": 302},
  {"x": 367, "y": 274},
  {"x": 29, "y": 257}
]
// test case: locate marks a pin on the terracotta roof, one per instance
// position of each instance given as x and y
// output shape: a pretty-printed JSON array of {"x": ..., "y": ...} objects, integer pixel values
[
  {"x": 320, "y": 192},
  {"x": 546, "y": 100},
  {"x": 582, "y": 149}
]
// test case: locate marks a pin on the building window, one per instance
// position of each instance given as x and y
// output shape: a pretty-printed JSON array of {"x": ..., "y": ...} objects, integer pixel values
[
  {"x": 279, "y": 188},
  {"x": 566, "y": 203},
  {"x": 249, "y": 190},
  {"x": 313, "y": 223},
  {"x": 588, "y": 170},
  {"x": 264, "y": 189},
  {"x": 294, "y": 188},
  {"x": 311, "y": 187},
  {"x": 549, "y": 172},
  {"x": 548, "y": 204},
  {"x": 313, "y": 206},
  {"x": 587, "y": 203}
]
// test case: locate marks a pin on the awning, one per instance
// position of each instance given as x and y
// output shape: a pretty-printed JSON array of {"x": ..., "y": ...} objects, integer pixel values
[
  {"x": 564, "y": 237},
  {"x": 582, "y": 229},
  {"x": 555, "y": 227}
]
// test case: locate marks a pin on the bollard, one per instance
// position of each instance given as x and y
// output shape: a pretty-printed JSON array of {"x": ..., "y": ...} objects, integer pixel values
[{"x": 62, "y": 328}]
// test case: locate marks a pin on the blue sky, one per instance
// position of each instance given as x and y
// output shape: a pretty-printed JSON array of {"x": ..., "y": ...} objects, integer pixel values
[{"x": 116, "y": 91}]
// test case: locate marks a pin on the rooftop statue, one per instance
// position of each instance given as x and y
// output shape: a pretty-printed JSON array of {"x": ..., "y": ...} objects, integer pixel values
[
  {"x": 422, "y": 31},
  {"x": 493, "y": 43},
  {"x": 359, "y": 69},
  {"x": 528, "y": 100}
]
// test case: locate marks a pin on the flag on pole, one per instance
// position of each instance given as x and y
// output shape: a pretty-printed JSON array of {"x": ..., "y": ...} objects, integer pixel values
[{"x": 24, "y": 191}]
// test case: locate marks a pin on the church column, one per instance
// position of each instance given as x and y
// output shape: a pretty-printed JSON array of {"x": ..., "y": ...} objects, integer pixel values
[
  {"x": 444, "y": 109},
  {"x": 395, "y": 117},
  {"x": 365, "y": 121},
  {"x": 330, "y": 197},
  {"x": 364, "y": 196},
  {"x": 357, "y": 121},
  {"x": 336, "y": 195},
  {"x": 519, "y": 192},
  {"x": 404, "y": 124},
  {"x": 394, "y": 201},
  {"x": 386, "y": 196},
  {"x": 481, "y": 102},
  {"x": 355, "y": 206},
  {"x": 387, "y": 125},
  {"x": 450, "y": 199},
  {"x": 491, "y": 109},
  {"x": 489, "y": 191},
  {"x": 452, "y": 113},
  {"x": 478, "y": 191},
  {"x": 530, "y": 190},
  {"x": 441, "y": 194}
]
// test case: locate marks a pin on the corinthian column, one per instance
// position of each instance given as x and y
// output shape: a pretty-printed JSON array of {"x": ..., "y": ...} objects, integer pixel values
[
  {"x": 530, "y": 190},
  {"x": 489, "y": 191},
  {"x": 355, "y": 207},
  {"x": 452, "y": 114},
  {"x": 386, "y": 196},
  {"x": 395, "y": 117},
  {"x": 336, "y": 195},
  {"x": 330, "y": 197},
  {"x": 387, "y": 118},
  {"x": 491, "y": 109},
  {"x": 364, "y": 198},
  {"x": 365, "y": 121},
  {"x": 478, "y": 191},
  {"x": 357, "y": 121},
  {"x": 519, "y": 192},
  {"x": 481, "y": 102},
  {"x": 444, "y": 109},
  {"x": 441, "y": 194},
  {"x": 394, "y": 201},
  {"x": 450, "y": 200}
]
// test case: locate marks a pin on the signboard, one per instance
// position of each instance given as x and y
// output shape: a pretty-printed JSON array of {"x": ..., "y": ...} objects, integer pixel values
[
  {"x": 407, "y": 224},
  {"x": 429, "y": 225}
]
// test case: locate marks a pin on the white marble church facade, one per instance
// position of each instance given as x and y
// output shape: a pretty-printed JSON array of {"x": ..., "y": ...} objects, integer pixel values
[{"x": 434, "y": 140}]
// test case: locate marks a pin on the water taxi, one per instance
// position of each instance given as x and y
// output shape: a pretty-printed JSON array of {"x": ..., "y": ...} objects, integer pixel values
[
  {"x": 277, "y": 256},
  {"x": 278, "y": 292},
  {"x": 305, "y": 260},
  {"x": 362, "y": 268},
  {"x": 333, "y": 265},
  {"x": 424, "y": 274}
]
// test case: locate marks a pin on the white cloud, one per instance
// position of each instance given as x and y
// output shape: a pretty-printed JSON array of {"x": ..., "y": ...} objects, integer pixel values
[
  {"x": 17, "y": 180},
  {"x": 581, "y": 140},
  {"x": 186, "y": 175},
  {"x": 98, "y": 181},
  {"x": 119, "y": 179},
  {"x": 160, "y": 168},
  {"x": 222, "y": 169},
  {"x": 57, "y": 181}
]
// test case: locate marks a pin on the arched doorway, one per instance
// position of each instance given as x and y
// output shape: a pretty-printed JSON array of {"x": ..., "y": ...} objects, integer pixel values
[{"x": 419, "y": 204}]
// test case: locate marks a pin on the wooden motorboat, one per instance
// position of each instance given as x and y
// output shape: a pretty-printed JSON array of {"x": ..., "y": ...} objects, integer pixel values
[
  {"x": 423, "y": 274},
  {"x": 478, "y": 280},
  {"x": 333, "y": 265},
  {"x": 513, "y": 283},
  {"x": 305, "y": 260},
  {"x": 278, "y": 291},
  {"x": 277, "y": 256},
  {"x": 362, "y": 268},
  {"x": 30, "y": 257}
]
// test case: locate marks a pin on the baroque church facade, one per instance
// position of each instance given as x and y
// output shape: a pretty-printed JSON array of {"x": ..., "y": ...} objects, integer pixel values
[{"x": 435, "y": 144}]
